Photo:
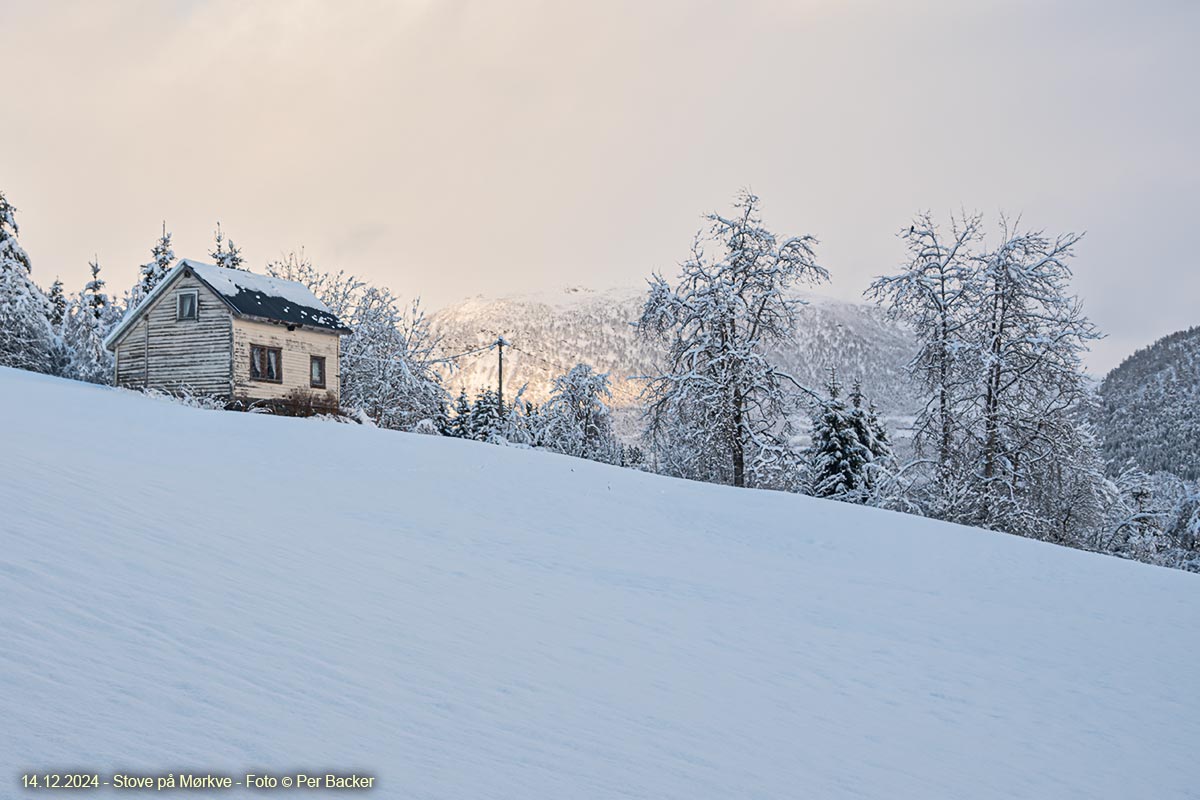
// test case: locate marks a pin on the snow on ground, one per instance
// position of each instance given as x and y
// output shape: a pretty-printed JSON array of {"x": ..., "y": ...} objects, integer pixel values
[{"x": 212, "y": 591}]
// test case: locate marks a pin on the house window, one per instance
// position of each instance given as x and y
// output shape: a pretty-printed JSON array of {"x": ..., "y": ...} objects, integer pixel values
[
  {"x": 186, "y": 304},
  {"x": 266, "y": 363},
  {"x": 316, "y": 372}
]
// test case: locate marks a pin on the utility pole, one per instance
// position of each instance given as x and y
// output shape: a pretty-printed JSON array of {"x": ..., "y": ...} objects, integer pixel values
[{"x": 500, "y": 342}]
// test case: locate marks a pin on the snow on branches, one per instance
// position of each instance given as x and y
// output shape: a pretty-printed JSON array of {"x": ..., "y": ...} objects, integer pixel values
[
  {"x": 719, "y": 408},
  {"x": 1000, "y": 340}
]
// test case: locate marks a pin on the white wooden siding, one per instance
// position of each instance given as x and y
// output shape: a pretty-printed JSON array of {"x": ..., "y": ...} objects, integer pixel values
[
  {"x": 183, "y": 354},
  {"x": 296, "y": 346}
]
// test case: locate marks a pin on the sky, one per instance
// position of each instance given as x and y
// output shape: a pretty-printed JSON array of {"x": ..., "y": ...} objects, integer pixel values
[{"x": 465, "y": 147}]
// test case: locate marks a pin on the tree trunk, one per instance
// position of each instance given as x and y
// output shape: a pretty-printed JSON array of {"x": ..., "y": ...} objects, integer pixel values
[{"x": 737, "y": 445}]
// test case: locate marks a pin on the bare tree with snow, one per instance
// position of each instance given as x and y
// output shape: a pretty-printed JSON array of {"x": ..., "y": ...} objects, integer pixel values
[
  {"x": 576, "y": 420},
  {"x": 388, "y": 363},
  {"x": 719, "y": 408},
  {"x": 936, "y": 295},
  {"x": 1000, "y": 344}
]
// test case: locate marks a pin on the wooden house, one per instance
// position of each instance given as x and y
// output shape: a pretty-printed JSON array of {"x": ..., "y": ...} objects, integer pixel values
[{"x": 233, "y": 334}]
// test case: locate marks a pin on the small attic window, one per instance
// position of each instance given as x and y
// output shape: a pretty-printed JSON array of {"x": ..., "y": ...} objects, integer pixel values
[{"x": 186, "y": 304}]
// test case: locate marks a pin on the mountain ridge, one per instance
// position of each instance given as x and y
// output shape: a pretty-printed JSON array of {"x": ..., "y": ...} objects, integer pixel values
[{"x": 551, "y": 330}]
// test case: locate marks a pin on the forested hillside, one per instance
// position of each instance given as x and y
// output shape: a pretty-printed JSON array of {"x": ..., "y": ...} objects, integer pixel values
[
  {"x": 551, "y": 331},
  {"x": 1150, "y": 407}
]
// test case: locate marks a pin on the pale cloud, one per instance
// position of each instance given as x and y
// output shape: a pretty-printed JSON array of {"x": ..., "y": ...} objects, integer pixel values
[{"x": 453, "y": 148}]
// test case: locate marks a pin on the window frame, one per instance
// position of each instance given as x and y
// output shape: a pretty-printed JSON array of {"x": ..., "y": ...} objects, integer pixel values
[
  {"x": 324, "y": 375},
  {"x": 278, "y": 363},
  {"x": 195, "y": 295}
]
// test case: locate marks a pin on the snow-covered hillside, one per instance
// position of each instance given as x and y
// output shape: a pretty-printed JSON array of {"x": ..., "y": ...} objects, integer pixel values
[
  {"x": 554, "y": 330},
  {"x": 211, "y": 591}
]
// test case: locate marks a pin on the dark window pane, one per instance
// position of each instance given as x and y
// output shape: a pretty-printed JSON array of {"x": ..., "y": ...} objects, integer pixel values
[{"x": 187, "y": 306}]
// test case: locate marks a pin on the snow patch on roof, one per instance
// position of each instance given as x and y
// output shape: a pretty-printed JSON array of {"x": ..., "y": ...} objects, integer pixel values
[{"x": 231, "y": 282}]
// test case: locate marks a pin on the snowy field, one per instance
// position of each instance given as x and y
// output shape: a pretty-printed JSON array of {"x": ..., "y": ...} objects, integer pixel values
[{"x": 210, "y": 591}]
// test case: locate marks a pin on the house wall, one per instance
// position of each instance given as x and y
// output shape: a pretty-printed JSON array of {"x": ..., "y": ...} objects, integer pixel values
[
  {"x": 297, "y": 346},
  {"x": 179, "y": 354}
]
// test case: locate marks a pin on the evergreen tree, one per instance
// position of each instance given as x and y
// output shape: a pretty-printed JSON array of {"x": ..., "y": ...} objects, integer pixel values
[
  {"x": 97, "y": 298},
  {"x": 870, "y": 431},
  {"x": 26, "y": 334},
  {"x": 486, "y": 419},
  {"x": 58, "y": 304},
  {"x": 459, "y": 424},
  {"x": 88, "y": 321},
  {"x": 838, "y": 457},
  {"x": 225, "y": 253},
  {"x": 155, "y": 270}
]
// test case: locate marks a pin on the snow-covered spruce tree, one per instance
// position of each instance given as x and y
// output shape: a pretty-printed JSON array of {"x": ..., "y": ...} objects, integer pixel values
[
  {"x": 936, "y": 294},
  {"x": 26, "y": 335},
  {"x": 485, "y": 422},
  {"x": 865, "y": 419},
  {"x": 58, "y": 304},
  {"x": 836, "y": 458},
  {"x": 89, "y": 319},
  {"x": 153, "y": 271},
  {"x": 388, "y": 363},
  {"x": 575, "y": 419},
  {"x": 458, "y": 424},
  {"x": 718, "y": 409},
  {"x": 225, "y": 253},
  {"x": 848, "y": 445}
]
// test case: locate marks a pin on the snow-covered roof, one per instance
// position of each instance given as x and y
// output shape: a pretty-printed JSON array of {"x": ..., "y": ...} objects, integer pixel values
[
  {"x": 263, "y": 296},
  {"x": 247, "y": 294}
]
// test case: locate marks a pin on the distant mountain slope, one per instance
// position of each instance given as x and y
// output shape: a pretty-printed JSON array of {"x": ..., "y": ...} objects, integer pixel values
[
  {"x": 1150, "y": 409},
  {"x": 554, "y": 330},
  {"x": 461, "y": 620}
]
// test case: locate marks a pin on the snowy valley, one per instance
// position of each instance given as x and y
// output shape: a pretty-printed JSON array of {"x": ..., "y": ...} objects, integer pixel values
[{"x": 191, "y": 589}]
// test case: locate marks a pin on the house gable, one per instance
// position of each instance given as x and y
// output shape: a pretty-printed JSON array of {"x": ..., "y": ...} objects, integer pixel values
[{"x": 156, "y": 348}]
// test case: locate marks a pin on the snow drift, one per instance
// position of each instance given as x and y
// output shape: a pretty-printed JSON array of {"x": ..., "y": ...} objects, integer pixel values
[{"x": 232, "y": 593}]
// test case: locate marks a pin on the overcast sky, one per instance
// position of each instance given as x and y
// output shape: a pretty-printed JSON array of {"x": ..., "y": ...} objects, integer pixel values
[{"x": 448, "y": 149}]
